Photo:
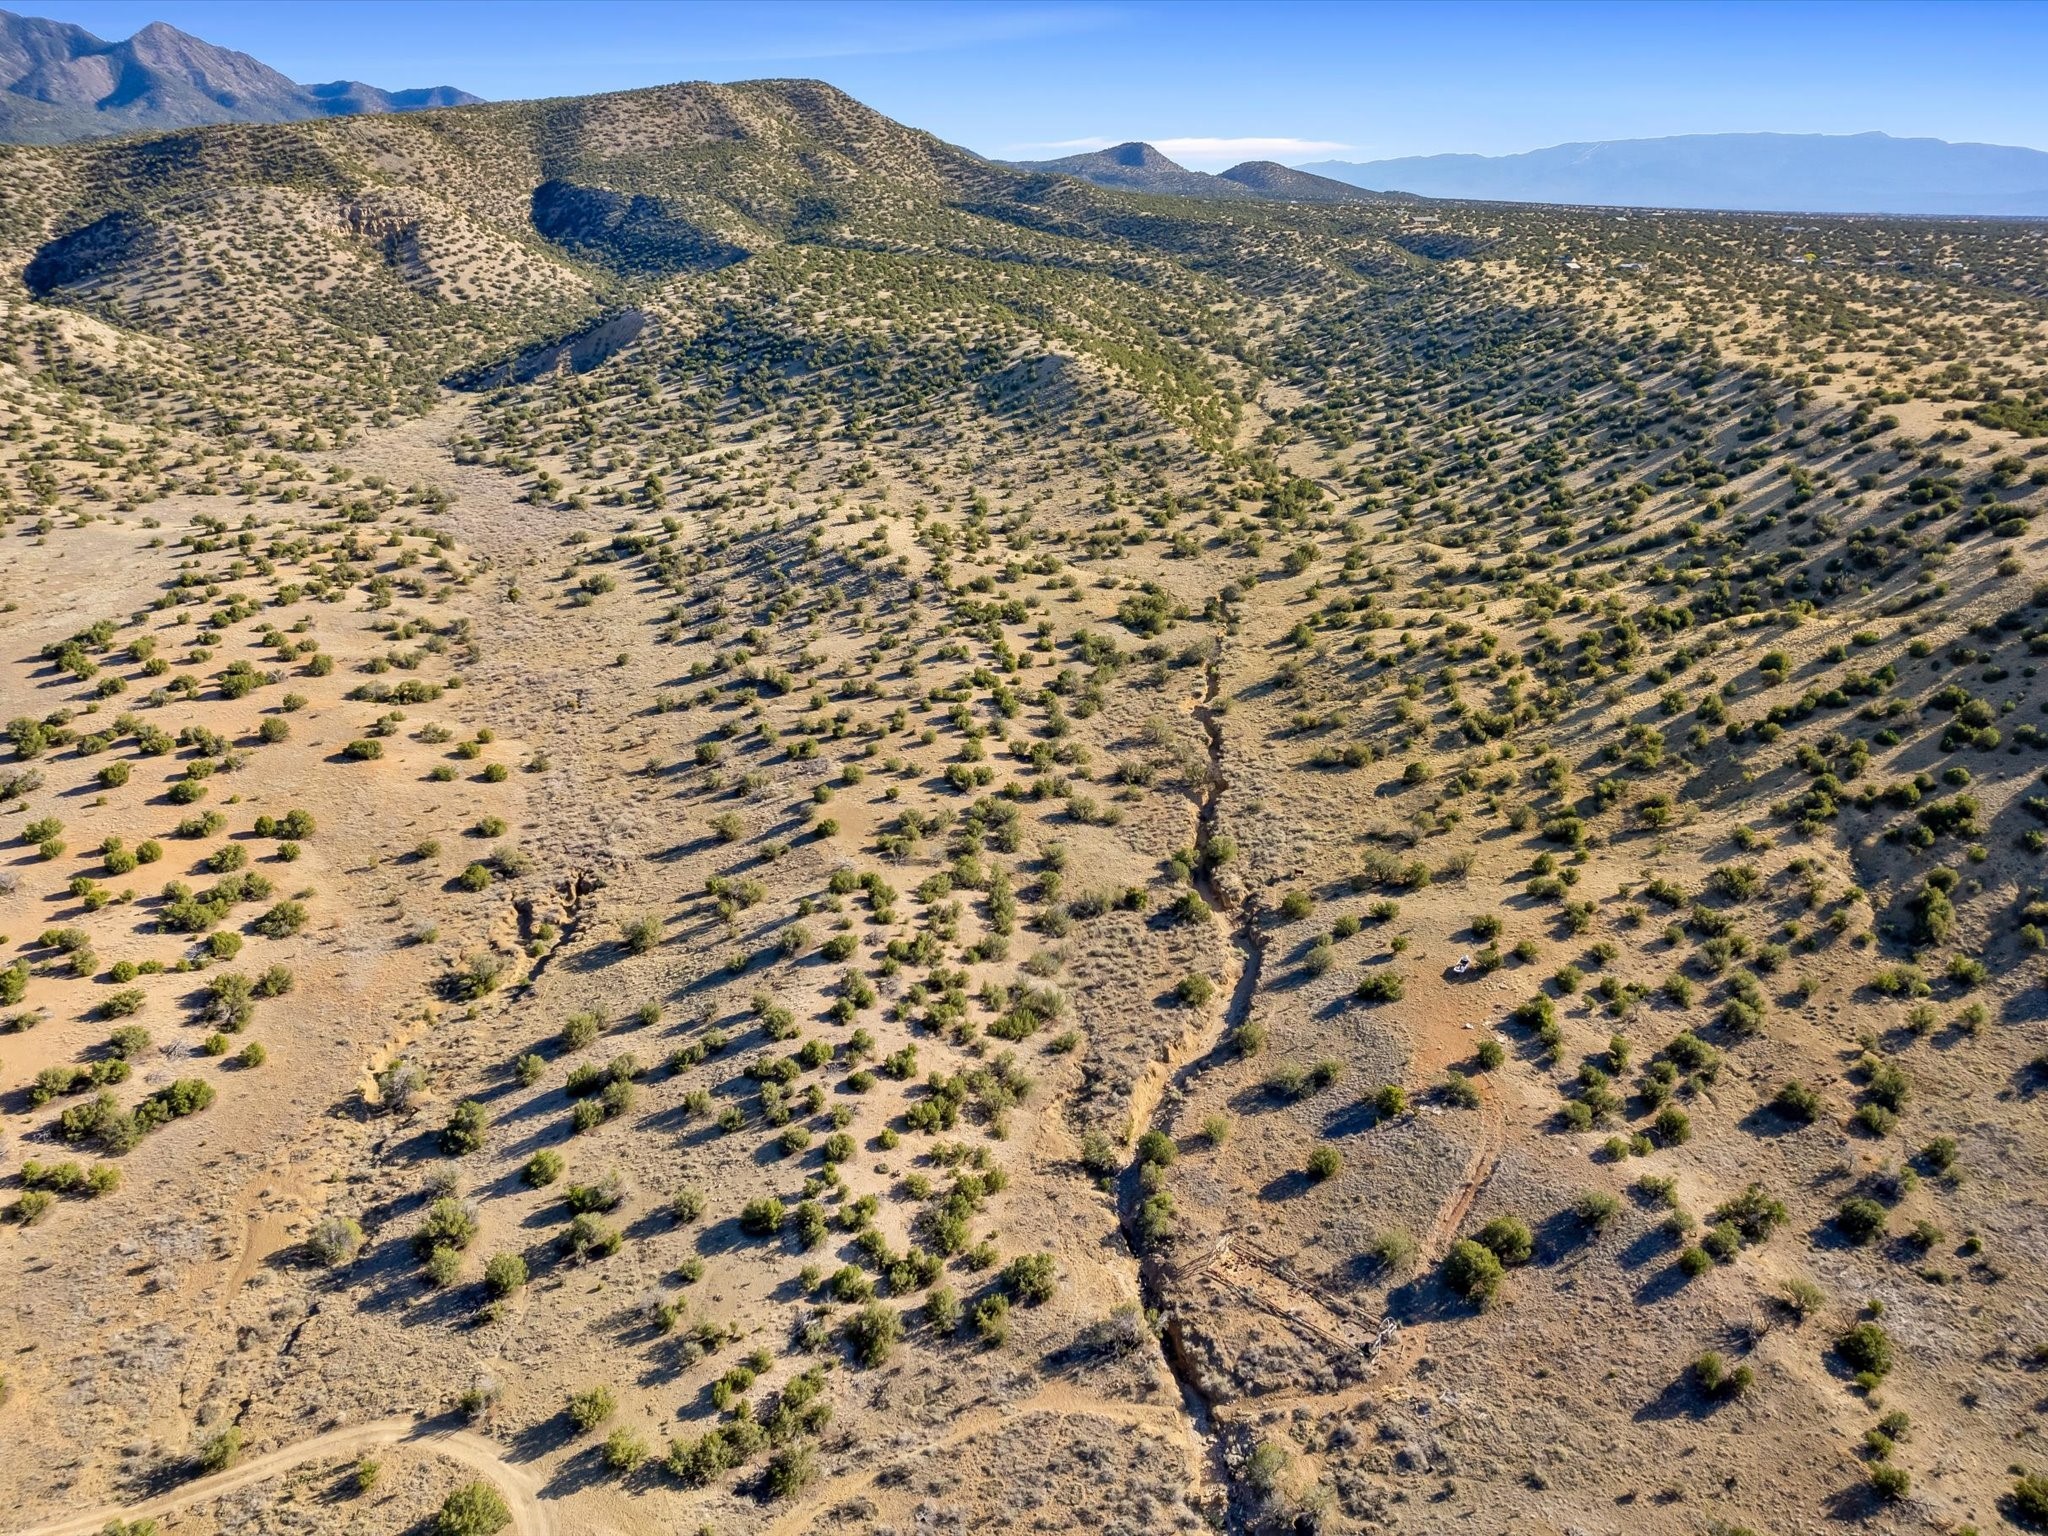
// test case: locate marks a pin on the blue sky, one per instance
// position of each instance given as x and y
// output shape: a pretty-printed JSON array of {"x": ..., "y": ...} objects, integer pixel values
[{"x": 1210, "y": 83}]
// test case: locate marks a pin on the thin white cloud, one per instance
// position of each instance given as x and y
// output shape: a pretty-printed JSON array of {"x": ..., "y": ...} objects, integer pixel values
[
  {"x": 1066, "y": 146},
  {"x": 1230, "y": 151},
  {"x": 912, "y": 29}
]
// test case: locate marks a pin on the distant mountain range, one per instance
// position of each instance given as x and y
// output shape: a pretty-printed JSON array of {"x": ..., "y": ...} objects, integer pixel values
[
  {"x": 1136, "y": 167},
  {"x": 1771, "y": 172},
  {"x": 60, "y": 82}
]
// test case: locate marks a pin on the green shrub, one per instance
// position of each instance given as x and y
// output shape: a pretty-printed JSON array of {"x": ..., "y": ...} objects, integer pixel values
[
  {"x": 1795, "y": 1101},
  {"x": 474, "y": 1509},
  {"x": 282, "y": 920},
  {"x": 1867, "y": 1350},
  {"x": 1802, "y": 1298},
  {"x": 2030, "y": 1498},
  {"x": 591, "y": 1407},
  {"x": 464, "y": 1132},
  {"x": 1473, "y": 1271},
  {"x": 1753, "y": 1214},
  {"x": 334, "y": 1240},
  {"x": 872, "y": 1333},
  {"x": 1509, "y": 1239},
  {"x": 1031, "y": 1278},
  {"x": 789, "y": 1471},
  {"x": 449, "y": 1224},
  {"x": 1861, "y": 1219},
  {"x": 1392, "y": 1251},
  {"x": 1597, "y": 1209},
  {"x": 1382, "y": 986},
  {"x": 942, "y": 1309},
  {"x": 505, "y": 1274},
  {"x": 687, "y": 1205},
  {"x": 32, "y": 1206},
  {"x": 1157, "y": 1148},
  {"x": 992, "y": 1319},
  {"x": 588, "y": 1237},
  {"x": 219, "y": 1452},
  {"x": 624, "y": 1451},
  {"x": 1459, "y": 1090}
]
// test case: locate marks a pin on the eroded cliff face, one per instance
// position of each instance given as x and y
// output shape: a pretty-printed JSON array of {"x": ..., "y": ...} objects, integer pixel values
[
  {"x": 576, "y": 353},
  {"x": 629, "y": 234}
]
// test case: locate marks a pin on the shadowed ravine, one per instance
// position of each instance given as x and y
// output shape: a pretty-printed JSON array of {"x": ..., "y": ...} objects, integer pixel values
[{"x": 1195, "y": 1053}]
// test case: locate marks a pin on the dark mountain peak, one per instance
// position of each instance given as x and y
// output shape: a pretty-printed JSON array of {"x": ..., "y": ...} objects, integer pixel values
[
  {"x": 37, "y": 38},
  {"x": 60, "y": 82},
  {"x": 349, "y": 98},
  {"x": 1141, "y": 155},
  {"x": 1138, "y": 167},
  {"x": 222, "y": 74},
  {"x": 161, "y": 34}
]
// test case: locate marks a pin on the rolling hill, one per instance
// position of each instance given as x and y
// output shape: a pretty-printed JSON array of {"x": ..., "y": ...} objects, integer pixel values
[
  {"x": 1137, "y": 167},
  {"x": 1268, "y": 178}
]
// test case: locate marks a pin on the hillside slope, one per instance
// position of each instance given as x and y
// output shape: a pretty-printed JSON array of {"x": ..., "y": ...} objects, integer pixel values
[{"x": 1271, "y": 179}]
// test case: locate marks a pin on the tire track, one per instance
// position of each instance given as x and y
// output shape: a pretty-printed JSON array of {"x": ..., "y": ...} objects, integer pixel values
[
  {"x": 1478, "y": 1171},
  {"x": 530, "y": 1516}
]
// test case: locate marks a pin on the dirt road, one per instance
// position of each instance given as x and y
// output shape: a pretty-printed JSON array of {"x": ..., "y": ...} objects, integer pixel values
[{"x": 529, "y": 1516}]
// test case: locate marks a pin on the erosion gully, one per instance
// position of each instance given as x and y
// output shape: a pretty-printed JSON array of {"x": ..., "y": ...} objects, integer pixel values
[{"x": 1201, "y": 1050}]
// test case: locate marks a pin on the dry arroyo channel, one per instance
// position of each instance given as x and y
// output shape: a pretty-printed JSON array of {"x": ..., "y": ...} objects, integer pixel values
[{"x": 529, "y": 1516}]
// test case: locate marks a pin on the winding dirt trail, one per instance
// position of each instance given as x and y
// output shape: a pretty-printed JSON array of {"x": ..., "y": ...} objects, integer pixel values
[{"x": 530, "y": 1517}]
